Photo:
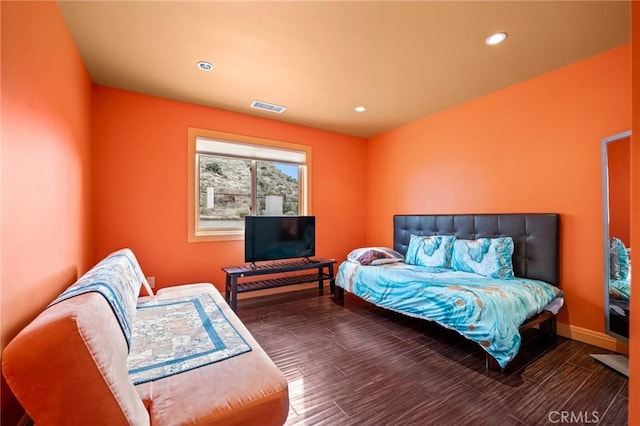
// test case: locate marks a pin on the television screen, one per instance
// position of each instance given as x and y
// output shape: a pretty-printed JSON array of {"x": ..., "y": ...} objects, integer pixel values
[{"x": 279, "y": 237}]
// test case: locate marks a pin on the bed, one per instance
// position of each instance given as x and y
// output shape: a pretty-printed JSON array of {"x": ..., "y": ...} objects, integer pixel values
[{"x": 491, "y": 309}]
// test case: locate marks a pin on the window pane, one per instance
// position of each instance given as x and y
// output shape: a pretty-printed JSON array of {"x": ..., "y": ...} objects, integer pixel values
[
  {"x": 226, "y": 183},
  {"x": 277, "y": 188},
  {"x": 225, "y": 191}
]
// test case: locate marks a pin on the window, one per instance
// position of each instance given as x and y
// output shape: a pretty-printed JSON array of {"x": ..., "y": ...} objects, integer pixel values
[{"x": 232, "y": 176}]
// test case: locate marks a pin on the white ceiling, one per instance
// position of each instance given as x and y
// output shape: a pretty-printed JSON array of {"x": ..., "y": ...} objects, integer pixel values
[{"x": 320, "y": 59}]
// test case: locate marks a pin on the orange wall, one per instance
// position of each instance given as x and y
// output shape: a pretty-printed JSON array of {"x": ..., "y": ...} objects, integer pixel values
[
  {"x": 139, "y": 191},
  {"x": 619, "y": 167},
  {"x": 634, "y": 342},
  {"x": 46, "y": 116},
  {"x": 533, "y": 147},
  {"x": 140, "y": 198}
]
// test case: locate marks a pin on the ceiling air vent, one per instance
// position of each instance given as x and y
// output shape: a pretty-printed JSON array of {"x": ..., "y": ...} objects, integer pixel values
[{"x": 265, "y": 106}]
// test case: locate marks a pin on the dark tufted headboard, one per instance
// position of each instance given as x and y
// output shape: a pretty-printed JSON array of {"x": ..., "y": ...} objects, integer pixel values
[{"x": 535, "y": 237}]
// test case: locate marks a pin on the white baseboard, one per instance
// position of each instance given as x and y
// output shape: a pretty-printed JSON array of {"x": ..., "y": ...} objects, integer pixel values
[{"x": 591, "y": 337}]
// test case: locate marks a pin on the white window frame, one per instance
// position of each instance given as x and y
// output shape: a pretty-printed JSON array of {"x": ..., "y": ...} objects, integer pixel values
[{"x": 231, "y": 145}]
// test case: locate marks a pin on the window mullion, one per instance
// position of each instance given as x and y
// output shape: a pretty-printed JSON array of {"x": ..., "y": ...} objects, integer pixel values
[
  {"x": 254, "y": 190},
  {"x": 302, "y": 202}
]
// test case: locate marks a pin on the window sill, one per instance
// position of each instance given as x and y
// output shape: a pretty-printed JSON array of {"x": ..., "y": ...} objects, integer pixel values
[{"x": 203, "y": 236}]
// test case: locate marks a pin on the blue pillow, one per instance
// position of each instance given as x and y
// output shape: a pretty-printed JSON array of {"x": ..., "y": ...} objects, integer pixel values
[
  {"x": 490, "y": 257},
  {"x": 435, "y": 250}
]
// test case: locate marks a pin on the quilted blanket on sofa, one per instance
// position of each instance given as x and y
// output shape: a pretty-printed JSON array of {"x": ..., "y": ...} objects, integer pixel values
[{"x": 118, "y": 278}]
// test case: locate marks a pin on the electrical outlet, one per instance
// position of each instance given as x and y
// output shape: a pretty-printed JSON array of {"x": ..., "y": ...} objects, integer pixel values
[{"x": 151, "y": 281}]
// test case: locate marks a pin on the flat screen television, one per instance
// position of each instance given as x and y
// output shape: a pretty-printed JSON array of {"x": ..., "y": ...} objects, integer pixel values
[{"x": 279, "y": 237}]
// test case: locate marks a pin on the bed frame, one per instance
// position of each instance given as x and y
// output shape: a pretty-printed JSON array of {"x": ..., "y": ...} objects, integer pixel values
[{"x": 535, "y": 254}]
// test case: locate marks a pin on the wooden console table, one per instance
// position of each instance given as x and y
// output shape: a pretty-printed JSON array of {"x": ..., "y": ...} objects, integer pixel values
[{"x": 324, "y": 271}]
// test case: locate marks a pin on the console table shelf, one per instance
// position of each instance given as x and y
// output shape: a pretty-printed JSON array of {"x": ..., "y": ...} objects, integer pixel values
[{"x": 324, "y": 268}]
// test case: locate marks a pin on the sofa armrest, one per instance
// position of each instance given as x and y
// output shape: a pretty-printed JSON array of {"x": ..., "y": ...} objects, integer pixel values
[{"x": 69, "y": 366}]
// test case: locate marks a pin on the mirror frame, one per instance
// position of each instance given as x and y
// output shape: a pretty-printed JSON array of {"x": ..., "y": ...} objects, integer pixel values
[{"x": 605, "y": 217}]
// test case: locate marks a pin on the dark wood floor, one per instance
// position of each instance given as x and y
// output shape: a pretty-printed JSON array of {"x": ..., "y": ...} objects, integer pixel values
[{"x": 362, "y": 365}]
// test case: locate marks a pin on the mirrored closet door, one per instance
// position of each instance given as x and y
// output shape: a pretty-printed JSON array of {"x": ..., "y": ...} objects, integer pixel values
[{"x": 616, "y": 201}]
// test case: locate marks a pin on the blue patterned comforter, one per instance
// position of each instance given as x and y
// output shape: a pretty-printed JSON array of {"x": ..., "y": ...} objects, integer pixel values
[
  {"x": 486, "y": 310},
  {"x": 620, "y": 289}
]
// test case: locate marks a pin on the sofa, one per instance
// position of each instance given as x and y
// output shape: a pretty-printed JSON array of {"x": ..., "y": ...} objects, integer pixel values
[{"x": 73, "y": 363}]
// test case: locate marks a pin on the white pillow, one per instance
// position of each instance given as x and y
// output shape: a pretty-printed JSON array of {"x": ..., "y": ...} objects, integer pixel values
[{"x": 374, "y": 256}]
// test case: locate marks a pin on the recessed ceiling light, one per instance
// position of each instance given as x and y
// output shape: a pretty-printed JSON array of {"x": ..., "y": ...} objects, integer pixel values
[
  {"x": 496, "y": 38},
  {"x": 205, "y": 66},
  {"x": 360, "y": 108}
]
